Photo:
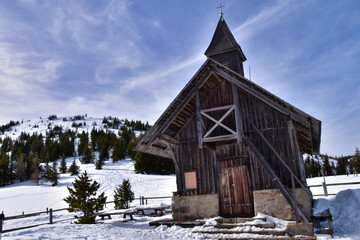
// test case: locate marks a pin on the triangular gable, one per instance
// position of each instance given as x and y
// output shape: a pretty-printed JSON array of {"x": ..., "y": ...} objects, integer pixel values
[{"x": 156, "y": 139}]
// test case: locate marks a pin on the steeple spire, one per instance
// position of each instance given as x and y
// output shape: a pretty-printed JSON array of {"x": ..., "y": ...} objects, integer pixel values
[{"x": 224, "y": 48}]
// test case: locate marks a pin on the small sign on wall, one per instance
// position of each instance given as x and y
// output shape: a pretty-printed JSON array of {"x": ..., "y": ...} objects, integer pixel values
[{"x": 190, "y": 180}]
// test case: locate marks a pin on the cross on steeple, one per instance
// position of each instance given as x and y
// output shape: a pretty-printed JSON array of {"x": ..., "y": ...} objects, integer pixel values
[{"x": 221, "y": 6}]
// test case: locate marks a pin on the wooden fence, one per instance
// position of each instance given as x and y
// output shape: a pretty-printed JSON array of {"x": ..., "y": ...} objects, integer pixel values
[
  {"x": 324, "y": 185},
  {"x": 142, "y": 200}
]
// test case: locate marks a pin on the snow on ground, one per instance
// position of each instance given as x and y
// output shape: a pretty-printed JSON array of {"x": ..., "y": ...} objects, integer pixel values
[
  {"x": 27, "y": 197},
  {"x": 333, "y": 179}
]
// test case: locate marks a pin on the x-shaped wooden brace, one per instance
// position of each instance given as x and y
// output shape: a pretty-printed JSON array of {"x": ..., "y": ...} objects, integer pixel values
[{"x": 218, "y": 122}]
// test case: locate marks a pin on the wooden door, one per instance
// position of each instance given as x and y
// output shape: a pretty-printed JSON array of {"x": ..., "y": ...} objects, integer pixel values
[{"x": 236, "y": 198}]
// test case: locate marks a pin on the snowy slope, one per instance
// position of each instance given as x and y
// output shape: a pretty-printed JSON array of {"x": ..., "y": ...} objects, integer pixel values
[{"x": 29, "y": 197}]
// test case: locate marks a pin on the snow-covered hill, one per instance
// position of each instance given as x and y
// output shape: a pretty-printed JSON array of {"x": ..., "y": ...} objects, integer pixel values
[{"x": 44, "y": 124}]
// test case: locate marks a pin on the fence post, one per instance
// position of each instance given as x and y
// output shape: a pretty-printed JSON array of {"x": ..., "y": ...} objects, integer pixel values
[
  {"x": 325, "y": 189},
  {"x": 2, "y": 217},
  {"x": 51, "y": 216},
  {"x": 140, "y": 199}
]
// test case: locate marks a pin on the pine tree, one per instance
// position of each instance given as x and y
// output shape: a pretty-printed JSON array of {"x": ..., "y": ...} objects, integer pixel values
[
  {"x": 74, "y": 169},
  {"x": 326, "y": 166},
  {"x": 130, "y": 150},
  {"x": 103, "y": 156},
  {"x": 87, "y": 157},
  {"x": 20, "y": 168},
  {"x": 83, "y": 198},
  {"x": 341, "y": 166},
  {"x": 314, "y": 168},
  {"x": 4, "y": 169},
  {"x": 52, "y": 174},
  {"x": 63, "y": 164},
  {"x": 123, "y": 195},
  {"x": 151, "y": 164},
  {"x": 84, "y": 143},
  {"x": 356, "y": 161},
  {"x": 116, "y": 154}
]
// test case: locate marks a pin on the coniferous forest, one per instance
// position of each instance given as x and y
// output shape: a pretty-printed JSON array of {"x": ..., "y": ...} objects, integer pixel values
[{"x": 35, "y": 156}]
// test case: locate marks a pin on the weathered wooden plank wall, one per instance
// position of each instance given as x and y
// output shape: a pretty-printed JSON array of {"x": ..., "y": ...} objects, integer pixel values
[{"x": 272, "y": 124}]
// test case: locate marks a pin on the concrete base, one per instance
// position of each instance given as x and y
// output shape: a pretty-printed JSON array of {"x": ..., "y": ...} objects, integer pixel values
[
  {"x": 273, "y": 203},
  {"x": 294, "y": 229},
  {"x": 195, "y": 207}
]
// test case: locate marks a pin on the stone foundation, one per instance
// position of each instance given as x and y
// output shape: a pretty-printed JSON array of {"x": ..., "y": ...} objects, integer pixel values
[
  {"x": 195, "y": 207},
  {"x": 273, "y": 203}
]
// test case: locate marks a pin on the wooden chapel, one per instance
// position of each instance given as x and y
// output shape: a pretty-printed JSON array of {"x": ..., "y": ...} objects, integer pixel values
[{"x": 230, "y": 140}]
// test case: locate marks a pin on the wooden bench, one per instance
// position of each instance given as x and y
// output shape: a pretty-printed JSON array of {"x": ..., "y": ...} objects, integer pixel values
[
  {"x": 125, "y": 212},
  {"x": 161, "y": 209},
  {"x": 325, "y": 215}
]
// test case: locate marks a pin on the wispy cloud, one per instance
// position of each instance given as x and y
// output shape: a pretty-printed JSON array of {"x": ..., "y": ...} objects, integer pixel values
[{"x": 265, "y": 17}]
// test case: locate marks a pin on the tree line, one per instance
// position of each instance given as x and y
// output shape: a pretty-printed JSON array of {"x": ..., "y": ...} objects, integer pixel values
[
  {"x": 34, "y": 157},
  {"x": 345, "y": 165}
]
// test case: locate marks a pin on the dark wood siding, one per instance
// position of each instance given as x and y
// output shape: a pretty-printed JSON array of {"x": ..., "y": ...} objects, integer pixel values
[{"x": 255, "y": 114}]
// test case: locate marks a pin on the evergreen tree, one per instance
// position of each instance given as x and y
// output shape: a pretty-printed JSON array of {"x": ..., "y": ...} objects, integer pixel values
[
  {"x": 356, "y": 161},
  {"x": 151, "y": 164},
  {"x": 116, "y": 151},
  {"x": 130, "y": 150},
  {"x": 20, "y": 168},
  {"x": 314, "y": 168},
  {"x": 103, "y": 156},
  {"x": 326, "y": 166},
  {"x": 84, "y": 143},
  {"x": 341, "y": 166},
  {"x": 4, "y": 169},
  {"x": 87, "y": 157},
  {"x": 63, "y": 164},
  {"x": 83, "y": 198},
  {"x": 123, "y": 195},
  {"x": 52, "y": 174},
  {"x": 74, "y": 169}
]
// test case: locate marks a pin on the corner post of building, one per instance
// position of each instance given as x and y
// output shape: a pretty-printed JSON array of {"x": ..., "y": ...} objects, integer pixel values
[
  {"x": 238, "y": 119},
  {"x": 198, "y": 119}
]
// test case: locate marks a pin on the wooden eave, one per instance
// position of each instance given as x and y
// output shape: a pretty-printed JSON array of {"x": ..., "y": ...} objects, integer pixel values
[{"x": 207, "y": 78}]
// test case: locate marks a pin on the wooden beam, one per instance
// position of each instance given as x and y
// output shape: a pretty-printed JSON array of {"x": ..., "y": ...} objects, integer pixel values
[
  {"x": 169, "y": 139},
  {"x": 293, "y": 157},
  {"x": 180, "y": 103},
  {"x": 216, "y": 108},
  {"x": 280, "y": 158},
  {"x": 220, "y": 138},
  {"x": 198, "y": 120},
  {"x": 276, "y": 180},
  {"x": 218, "y": 122},
  {"x": 238, "y": 119},
  {"x": 263, "y": 98}
]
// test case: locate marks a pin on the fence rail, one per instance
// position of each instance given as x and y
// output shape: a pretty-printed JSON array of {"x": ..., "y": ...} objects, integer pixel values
[
  {"x": 324, "y": 185},
  {"x": 143, "y": 201}
]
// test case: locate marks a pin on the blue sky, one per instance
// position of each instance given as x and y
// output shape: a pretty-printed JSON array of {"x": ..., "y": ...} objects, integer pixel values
[{"x": 131, "y": 58}]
